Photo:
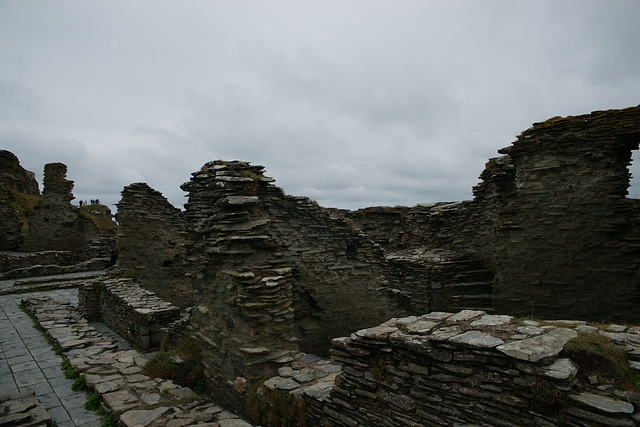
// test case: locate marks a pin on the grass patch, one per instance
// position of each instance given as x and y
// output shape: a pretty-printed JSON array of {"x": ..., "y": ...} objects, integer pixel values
[
  {"x": 80, "y": 384},
  {"x": 24, "y": 204},
  {"x": 109, "y": 420},
  {"x": 272, "y": 408},
  {"x": 94, "y": 402},
  {"x": 181, "y": 365},
  {"x": 101, "y": 217},
  {"x": 596, "y": 355},
  {"x": 68, "y": 370},
  {"x": 549, "y": 400}
]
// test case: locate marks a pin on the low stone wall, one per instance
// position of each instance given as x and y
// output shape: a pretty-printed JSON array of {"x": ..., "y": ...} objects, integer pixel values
[
  {"x": 443, "y": 369},
  {"x": 134, "y": 313},
  {"x": 13, "y": 263}
]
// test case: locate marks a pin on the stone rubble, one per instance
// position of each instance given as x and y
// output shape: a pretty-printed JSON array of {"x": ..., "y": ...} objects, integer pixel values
[
  {"x": 307, "y": 375},
  {"x": 23, "y": 409},
  {"x": 136, "y": 399}
]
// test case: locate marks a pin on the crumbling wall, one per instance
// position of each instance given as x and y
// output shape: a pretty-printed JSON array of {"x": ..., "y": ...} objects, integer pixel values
[
  {"x": 151, "y": 235},
  {"x": 268, "y": 273},
  {"x": 13, "y": 178},
  {"x": 338, "y": 273},
  {"x": 243, "y": 317},
  {"x": 55, "y": 224},
  {"x": 550, "y": 219},
  {"x": 571, "y": 244}
]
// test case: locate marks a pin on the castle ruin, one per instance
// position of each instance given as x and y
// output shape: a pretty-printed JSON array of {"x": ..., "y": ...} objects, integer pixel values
[{"x": 262, "y": 277}]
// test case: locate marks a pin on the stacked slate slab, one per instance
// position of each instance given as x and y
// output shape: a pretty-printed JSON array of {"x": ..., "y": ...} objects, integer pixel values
[{"x": 473, "y": 368}]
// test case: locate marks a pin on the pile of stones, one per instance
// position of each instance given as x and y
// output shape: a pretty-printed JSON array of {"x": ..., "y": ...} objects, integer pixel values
[
  {"x": 307, "y": 375},
  {"x": 134, "y": 398},
  {"x": 23, "y": 409}
]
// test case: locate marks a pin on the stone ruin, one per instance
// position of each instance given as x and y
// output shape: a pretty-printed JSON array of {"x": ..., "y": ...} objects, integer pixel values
[
  {"x": 264, "y": 280},
  {"x": 55, "y": 225},
  {"x": 59, "y": 237},
  {"x": 13, "y": 178}
]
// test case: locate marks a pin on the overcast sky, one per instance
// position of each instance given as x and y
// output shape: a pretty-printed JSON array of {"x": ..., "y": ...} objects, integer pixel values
[{"x": 351, "y": 103}]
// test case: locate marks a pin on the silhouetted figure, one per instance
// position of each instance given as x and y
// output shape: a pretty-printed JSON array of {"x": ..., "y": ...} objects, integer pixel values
[{"x": 113, "y": 252}]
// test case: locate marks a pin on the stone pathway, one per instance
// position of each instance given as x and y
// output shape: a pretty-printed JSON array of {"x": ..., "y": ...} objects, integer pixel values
[
  {"x": 28, "y": 363},
  {"x": 136, "y": 399}
]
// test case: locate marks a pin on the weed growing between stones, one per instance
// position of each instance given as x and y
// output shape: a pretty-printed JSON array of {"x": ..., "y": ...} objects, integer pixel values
[
  {"x": 596, "y": 355},
  {"x": 181, "y": 365},
  {"x": 80, "y": 384},
  {"x": 94, "y": 402},
  {"x": 272, "y": 408},
  {"x": 109, "y": 420},
  {"x": 549, "y": 400},
  {"x": 379, "y": 369},
  {"x": 68, "y": 370}
]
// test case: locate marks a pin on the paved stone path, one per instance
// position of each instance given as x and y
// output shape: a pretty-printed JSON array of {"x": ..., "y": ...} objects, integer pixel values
[{"x": 27, "y": 362}]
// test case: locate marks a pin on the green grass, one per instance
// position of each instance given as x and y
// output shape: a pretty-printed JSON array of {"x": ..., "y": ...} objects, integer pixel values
[
  {"x": 100, "y": 215},
  {"x": 190, "y": 373},
  {"x": 94, "y": 402},
  {"x": 24, "y": 205},
  {"x": 596, "y": 355}
]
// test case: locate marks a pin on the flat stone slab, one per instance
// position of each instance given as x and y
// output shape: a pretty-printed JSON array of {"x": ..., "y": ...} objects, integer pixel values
[
  {"x": 491, "y": 320},
  {"x": 561, "y": 369},
  {"x": 604, "y": 404},
  {"x": 22, "y": 409},
  {"x": 142, "y": 417},
  {"x": 466, "y": 315},
  {"x": 281, "y": 383},
  {"x": 477, "y": 339},
  {"x": 421, "y": 326},
  {"x": 539, "y": 347}
]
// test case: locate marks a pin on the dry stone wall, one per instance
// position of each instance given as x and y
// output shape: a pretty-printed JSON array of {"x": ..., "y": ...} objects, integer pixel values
[
  {"x": 133, "y": 312},
  {"x": 469, "y": 368},
  {"x": 333, "y": 263},
  {"x": 549, "y": 231}
]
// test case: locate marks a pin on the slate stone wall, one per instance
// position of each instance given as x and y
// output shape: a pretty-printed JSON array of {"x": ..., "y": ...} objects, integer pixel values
[
  {"x": 550, "y": 219},
  {"x": 468, "y": 368},
  {"x": 136, "y": 314},
  {"x": 55, "y": 224},
  {"x": 150, "y": 243},
  {"x": 13, "y": 178}
]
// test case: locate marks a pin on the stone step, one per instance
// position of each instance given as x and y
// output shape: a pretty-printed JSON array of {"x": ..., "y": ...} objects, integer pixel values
[
  {"x": 475, "y": 276},
  {"x": 469, "y": 288}
]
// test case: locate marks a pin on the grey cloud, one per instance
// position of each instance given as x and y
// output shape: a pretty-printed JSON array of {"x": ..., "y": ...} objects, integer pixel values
[{"x": 351, "y": 103}]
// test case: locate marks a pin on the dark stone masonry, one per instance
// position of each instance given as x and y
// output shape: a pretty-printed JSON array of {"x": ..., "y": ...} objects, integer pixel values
[
  {"x": 55, "y": 224},
  {"x": 423, "y": 309}
]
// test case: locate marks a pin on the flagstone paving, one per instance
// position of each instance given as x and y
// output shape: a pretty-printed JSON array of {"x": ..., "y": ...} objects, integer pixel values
[{"x": 28, "y": 363}]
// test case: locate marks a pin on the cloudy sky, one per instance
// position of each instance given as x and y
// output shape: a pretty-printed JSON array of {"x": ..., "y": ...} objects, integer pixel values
[{"x": 351, "y": 103}]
